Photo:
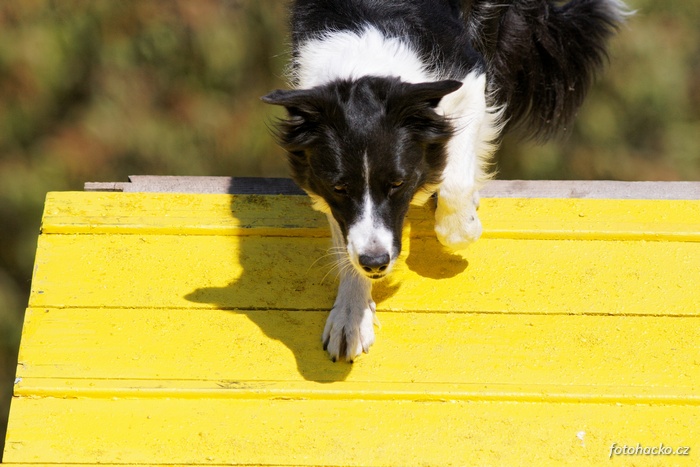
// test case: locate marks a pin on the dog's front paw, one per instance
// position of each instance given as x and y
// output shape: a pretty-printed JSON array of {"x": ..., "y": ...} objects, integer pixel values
[
  {"x": 457, "y": 225},
  {"x": 349, "y": 330}
]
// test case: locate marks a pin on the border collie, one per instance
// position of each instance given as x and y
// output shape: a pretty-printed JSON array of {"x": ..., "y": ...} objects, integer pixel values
[{"x": 395, "y": 101}]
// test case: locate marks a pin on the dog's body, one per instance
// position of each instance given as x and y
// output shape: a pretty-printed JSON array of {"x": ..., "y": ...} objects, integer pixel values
[{"x": 398, "y": 99}]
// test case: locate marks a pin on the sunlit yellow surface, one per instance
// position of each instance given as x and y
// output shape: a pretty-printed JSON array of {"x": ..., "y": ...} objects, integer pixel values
[{"x": 185, "y": 330}]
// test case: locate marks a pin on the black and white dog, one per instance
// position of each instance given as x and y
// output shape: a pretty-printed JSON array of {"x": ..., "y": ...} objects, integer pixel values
[{"x": 397, "y": 100}]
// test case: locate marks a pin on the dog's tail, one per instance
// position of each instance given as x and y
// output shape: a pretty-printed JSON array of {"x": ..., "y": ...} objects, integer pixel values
[{"x": 542, "y": 55}]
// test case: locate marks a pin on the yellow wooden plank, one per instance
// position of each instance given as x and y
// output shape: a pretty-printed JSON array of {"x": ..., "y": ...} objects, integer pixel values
[
  {"x": 78, "y": 212},
  {"x": 181, "y": 214},
  {"x": 648, "y": 359},
  {"x": 591, "y": 219},
  {"x": 343, "y": 390},
  {"x": 340, "y": 432},
  {"x": 253, "y": 272}
]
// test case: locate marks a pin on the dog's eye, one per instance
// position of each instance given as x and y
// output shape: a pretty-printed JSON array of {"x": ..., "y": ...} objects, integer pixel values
[
  {"x": 394, "y": 186},
  {"x": 341, "y": 189}
]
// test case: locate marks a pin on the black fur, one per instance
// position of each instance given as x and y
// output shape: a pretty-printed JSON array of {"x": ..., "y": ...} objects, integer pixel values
[
  {"x": 542, "y": 56},
  {"x": 330, "y": 128},
  {"x": 433, "y": 26}
]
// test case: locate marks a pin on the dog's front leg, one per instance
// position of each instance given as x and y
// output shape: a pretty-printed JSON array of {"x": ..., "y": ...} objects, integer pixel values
[
  {"x": 468, "y": 152},
  {"x": 349, "y": 329}
]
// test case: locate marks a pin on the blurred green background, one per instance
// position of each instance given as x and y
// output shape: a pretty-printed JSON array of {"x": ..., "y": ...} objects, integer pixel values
[{"x": 101, "y": 89}]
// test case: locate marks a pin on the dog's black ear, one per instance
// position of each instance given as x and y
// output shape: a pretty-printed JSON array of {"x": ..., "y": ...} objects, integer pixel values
[
  {"x": 431, "y": 92},
  {"x": 414, "y": 107},
  {"x": 298, "y": 102},
  {"x": 299, "y": 131}
]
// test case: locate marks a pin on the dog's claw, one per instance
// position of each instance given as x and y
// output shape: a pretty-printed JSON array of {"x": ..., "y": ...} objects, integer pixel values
[{"x": 349, "y": 332}]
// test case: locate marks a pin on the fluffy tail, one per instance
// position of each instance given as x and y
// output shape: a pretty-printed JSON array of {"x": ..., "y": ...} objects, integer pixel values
[{"x": 542, "y": 55}]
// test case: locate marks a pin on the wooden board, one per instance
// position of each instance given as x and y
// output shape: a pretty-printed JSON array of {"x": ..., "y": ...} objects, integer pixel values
[{"x": 185, "y": 330}]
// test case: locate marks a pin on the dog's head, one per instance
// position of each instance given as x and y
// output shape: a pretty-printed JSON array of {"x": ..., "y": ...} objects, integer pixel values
[{"x": 364, "y": 149}]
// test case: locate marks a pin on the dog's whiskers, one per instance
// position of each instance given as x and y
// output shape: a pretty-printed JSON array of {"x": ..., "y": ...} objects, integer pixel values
[
  {"x": 345, "y": 267},
  {"x": 329, "y": 253},
  {"x": 340, "y": 263}
]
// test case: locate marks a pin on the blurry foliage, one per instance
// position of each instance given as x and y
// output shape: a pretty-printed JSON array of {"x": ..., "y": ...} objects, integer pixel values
[{"x": 96, "y": 90}]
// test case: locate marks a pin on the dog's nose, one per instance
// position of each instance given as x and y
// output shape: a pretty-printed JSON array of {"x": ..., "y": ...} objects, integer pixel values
[{"x": 375, "y": 263}]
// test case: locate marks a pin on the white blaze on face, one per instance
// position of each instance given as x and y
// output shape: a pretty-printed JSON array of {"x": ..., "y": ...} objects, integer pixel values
[{"x": 368, "y": 235}]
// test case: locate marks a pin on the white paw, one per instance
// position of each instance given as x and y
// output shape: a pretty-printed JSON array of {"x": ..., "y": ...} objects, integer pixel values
[
  {"x": 458, "y": 225},
  {"x": 349, "y": 329}
]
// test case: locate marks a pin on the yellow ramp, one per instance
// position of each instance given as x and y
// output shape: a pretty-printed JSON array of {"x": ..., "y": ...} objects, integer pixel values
[{"x": 176, "y": 329}]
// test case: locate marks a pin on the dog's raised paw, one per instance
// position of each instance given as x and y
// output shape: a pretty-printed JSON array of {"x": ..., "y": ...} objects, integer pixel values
[
  {"x": 457, "y": 229},
  {"x": 349, "y": 330}
]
